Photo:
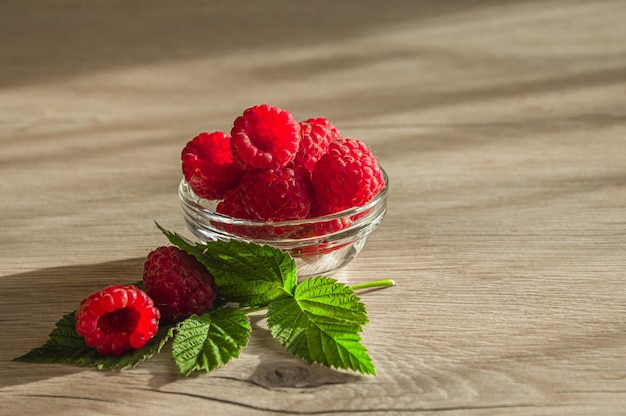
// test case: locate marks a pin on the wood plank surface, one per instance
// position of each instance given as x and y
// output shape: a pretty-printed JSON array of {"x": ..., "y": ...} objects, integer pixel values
[{"x": 502, "y": 126}]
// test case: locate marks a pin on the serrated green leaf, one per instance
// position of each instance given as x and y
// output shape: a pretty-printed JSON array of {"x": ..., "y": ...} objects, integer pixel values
[
  {"x": 210, "y": 340},
  {"x": 65, "y": 346},
  {"x": 246, "y": 273},
  {"x": 321, "y": 323}
]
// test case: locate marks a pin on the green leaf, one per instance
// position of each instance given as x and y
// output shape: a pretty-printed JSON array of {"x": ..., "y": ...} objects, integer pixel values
[
  {"x": 321, "y": 323},
  {"x": 246, "y": 273},
  {"x": 210, "y": 340},
  {"x": 65, "y": 346}
]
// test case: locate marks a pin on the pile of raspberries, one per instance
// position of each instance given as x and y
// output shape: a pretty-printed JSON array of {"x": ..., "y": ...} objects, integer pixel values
[{"x": 272, "y": 167}]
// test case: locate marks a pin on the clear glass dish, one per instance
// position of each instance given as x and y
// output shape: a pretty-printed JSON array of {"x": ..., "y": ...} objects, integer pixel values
[{"x": 320, "y": 246}]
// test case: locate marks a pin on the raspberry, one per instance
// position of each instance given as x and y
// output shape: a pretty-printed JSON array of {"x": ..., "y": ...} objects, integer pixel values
[
  {"x": 316, "y": 135},
  {"x": 179, "y": 285},
  {"x": 208, "y": 165},
  {"x": 232, "y": 205},
  {"x": 347, "y": 176},
  {"x": 265, "y": 137},
  {"x": 323, "y": 228},
  {"x": 277, "y": 194},
  {"x": 116, "y": 319}
]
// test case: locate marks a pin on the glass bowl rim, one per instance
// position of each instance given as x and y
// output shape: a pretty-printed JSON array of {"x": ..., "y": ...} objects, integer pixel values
[{"x": 186, "y": 195}]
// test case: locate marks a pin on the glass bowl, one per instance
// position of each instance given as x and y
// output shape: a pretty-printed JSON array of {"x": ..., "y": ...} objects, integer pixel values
[{"x": 320, "y": 245}]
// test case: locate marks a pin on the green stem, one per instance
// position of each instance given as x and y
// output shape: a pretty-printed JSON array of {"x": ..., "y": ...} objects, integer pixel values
[{"x": 373, "y": 284}]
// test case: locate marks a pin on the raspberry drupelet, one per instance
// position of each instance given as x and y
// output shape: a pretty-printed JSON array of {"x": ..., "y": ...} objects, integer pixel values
[
  {"x": 178, "y": 283},
  {"x": 117, "y": 319}
]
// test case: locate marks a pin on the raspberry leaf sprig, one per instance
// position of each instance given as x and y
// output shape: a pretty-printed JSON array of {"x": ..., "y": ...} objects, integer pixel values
[{"x": 318, "y": 320}]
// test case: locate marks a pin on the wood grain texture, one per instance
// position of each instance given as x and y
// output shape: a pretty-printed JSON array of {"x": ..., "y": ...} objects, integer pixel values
[{"x": 502, "y": 126}]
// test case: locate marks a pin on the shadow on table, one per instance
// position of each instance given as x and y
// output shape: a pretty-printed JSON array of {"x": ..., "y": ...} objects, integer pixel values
[{"x": 31, "y": 303}]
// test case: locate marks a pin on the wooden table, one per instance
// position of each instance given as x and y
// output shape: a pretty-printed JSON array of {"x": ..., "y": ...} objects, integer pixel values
[{"x": 502, "y": 126}]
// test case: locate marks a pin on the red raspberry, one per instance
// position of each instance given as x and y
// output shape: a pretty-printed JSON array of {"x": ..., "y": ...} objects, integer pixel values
[
  {"x": 277, "y": 194},
  {"x": 316, "y": 133},
  {"x": 265, "y": 137},
  {"x": 116, "y": 319},
  {"x": 323, "y": 228},
  {"x": 208, "y": 165},
  {"x": 232, "y": 205},
  {"x": 179, "y": 285},
  {"x": 347, "y": 176}
]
